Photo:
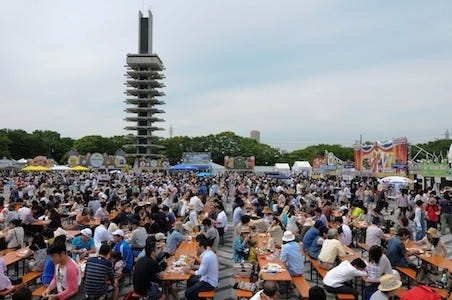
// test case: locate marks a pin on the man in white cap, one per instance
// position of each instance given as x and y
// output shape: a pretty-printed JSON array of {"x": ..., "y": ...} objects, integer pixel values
[
  {"x": 101, "y": 233},
  {"x": 122, "y": 246},
  {"x": 83, "y": 244}
]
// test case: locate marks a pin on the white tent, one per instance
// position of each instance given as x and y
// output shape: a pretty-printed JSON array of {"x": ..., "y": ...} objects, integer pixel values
[
  {"x": 216, "y": 168},
  {"x": 302, "y": 167},
  {"x": 282, "y": 168}
]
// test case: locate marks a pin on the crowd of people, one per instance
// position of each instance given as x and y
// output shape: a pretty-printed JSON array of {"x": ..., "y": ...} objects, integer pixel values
[{"x": 144, "y": 217}]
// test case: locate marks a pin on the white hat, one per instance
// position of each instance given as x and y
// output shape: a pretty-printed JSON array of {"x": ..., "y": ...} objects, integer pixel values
[
  {"x": 160, "y": 236},
  {"x": 118, "y": 232},
  {"x": 87, "y": 232},
  {"x": 288, "y": 236},
  {"x": 59, "y": 231}
]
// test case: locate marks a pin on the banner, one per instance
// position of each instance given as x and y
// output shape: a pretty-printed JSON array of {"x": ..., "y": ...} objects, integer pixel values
[
  {"x": 382, "y": 158},
  {"x": 196, "y": 158},
  {"x": 431, "y": 169},
  {"x": 239, "y": 162},
  {"x": 97, "y": 160}
]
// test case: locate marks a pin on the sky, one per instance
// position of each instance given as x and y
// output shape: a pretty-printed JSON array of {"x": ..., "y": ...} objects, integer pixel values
[{"x": 301, "y": 72}]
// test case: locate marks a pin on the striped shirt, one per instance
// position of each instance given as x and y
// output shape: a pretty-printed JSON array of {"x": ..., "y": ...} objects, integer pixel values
[{"x": 97, "y": 270}]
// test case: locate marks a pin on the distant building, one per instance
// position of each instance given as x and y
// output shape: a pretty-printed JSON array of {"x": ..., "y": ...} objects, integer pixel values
[
  {"x": 144, "y": 79},
  {"x": 255, "y": 135}
]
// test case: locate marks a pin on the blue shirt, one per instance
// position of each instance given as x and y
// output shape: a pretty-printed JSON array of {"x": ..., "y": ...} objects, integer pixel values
[
  {"x": 309, "y": 237},
  {"x": 315, "y": 248},
  {"x": 126, "y": 252},
  {"x": 78, "y": 244},
  {"x": 292, "y": 257},
  {"x": 396, "y": 252},
  {"x": 48, "y": 271},
  {"x": 208, "y": 270},
  {"x": 173, "y": 241},
  {"x": 239, "y": 250}
]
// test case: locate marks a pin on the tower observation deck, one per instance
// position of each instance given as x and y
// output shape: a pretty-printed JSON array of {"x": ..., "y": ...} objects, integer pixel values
[{"x": 143, "y": 92}]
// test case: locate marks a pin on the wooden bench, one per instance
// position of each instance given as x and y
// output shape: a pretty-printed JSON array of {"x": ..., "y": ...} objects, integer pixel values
[
  {"x": 39, "y": 291},
  {"x": 302, "y": 286},
  {"x": 239, "y": 293},
  {"x": 26, "y": 279},
  {"x": 409, "y": 273},
  {"x": 207, "y": 294},
  {"x": 345, "y": 297},
  {"x": 319, "y": 270}
]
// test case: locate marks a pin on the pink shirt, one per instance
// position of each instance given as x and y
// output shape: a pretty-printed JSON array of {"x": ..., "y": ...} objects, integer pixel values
[{"x": 67, "y": 279}]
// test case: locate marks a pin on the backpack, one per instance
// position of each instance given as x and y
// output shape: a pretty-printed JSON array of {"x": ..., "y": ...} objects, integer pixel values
[
  {"x": 39, "y": 260},
  {"x": 420, "y": 292}
]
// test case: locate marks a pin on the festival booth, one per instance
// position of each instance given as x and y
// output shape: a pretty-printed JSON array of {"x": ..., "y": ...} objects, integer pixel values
[
  {"x": 282, "y": 168},
  {"x": 303, "y": 167}
]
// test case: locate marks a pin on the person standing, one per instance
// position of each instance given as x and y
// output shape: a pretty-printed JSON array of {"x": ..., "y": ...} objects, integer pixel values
[
  {"x": 446, "y": 213},
  {"x": 206, "y": 277},
  {"x": 211, "y": 233},
  {"x": 221, "y": 223}
]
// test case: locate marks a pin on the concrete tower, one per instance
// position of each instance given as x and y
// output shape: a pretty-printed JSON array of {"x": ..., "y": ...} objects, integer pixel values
[{"x": 144, "y": 79}]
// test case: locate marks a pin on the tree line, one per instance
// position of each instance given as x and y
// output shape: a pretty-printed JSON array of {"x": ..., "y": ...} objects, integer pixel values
[{"x": 17, "y": 144}]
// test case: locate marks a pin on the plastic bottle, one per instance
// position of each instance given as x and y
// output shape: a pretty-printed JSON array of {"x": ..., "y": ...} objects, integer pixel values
[{"x": 444, "y": 280}]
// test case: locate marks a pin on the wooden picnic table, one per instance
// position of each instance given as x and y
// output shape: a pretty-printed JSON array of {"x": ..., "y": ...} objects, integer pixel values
[
  {"x": 16, "y": 256},
  {"x": 41, "y": 223},
  {"x": 279, "y": 276},
  {"x": 426, "y": 256}
]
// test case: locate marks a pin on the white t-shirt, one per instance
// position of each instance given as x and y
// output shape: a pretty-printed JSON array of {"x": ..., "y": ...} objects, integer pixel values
[
  {"x": 344, "y": 272},
  {"x": 346, "y": 236}
]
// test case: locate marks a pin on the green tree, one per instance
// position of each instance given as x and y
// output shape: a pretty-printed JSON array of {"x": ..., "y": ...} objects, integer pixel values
[{"x": 5, "y": 143}]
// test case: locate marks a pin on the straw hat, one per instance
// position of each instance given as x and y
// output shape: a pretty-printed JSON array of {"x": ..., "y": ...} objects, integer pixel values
[
  {"x": 288, "y": 236},
  {"x": 432, "y": 232},
  {"x": 267, "y": 210},
  {"x": 388, "y": 283},
  {"x": 245, "y": 229}
]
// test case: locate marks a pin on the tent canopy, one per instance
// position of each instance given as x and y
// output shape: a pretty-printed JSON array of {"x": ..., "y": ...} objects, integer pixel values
[
  {"x": 300, "y": 166},
  {"x": 283, "y": 167}
]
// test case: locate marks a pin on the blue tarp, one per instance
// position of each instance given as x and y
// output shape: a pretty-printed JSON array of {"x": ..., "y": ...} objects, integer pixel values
[{"x": 183, "y": 167}]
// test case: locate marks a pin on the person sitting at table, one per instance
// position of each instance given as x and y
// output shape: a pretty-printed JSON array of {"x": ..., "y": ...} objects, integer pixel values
[
  {"x": 242, "y": 245},
  {"x": 101, "y": 212},
  {"x": 403, "y": 222},
  {"x": 55, "y": 219},
  {"x": 83, "y": 244},
  {"x": 344, "y": 232},
  {"x": 5, "y": 282},
  {"x": 378, "y": 265},
  {"x": 331, "y": 249},
  {"x": 312, "y": 232},
  {"x": 389, "y": 284},
  {"x": 97, "y": 268},
  {"x": 316, "y": 245},
  {"x": 82, "y": 219},
  {"x": 432, "y": 242},
  {"x": 147, "y": 273},
  {"x": 319, "y": 216},
  {"x": 122, "y": 246},
  {"x": 102, "y": 234},
  {"x": 374, "y": 234},
  {"x": 206, "y": 277},
  {"x": 338, "y": 279},
  {"x": 118, "y": 263},
  {"x": 396, "y": 251},
  {"x": 39, "y": 249},
  {"x": 270, "y": 291},
  {"x": 275, "y": 230},
  {"x": 14, "y": 235},
  {"x": 244, "y": 221},
  {"x": 211, "y": 234},
  {"x": 176, "y": 237},
  {"x": 67, "y": 276},
  {"x": 138, "y": 238},
  {"x": 291, "y": 254}
]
